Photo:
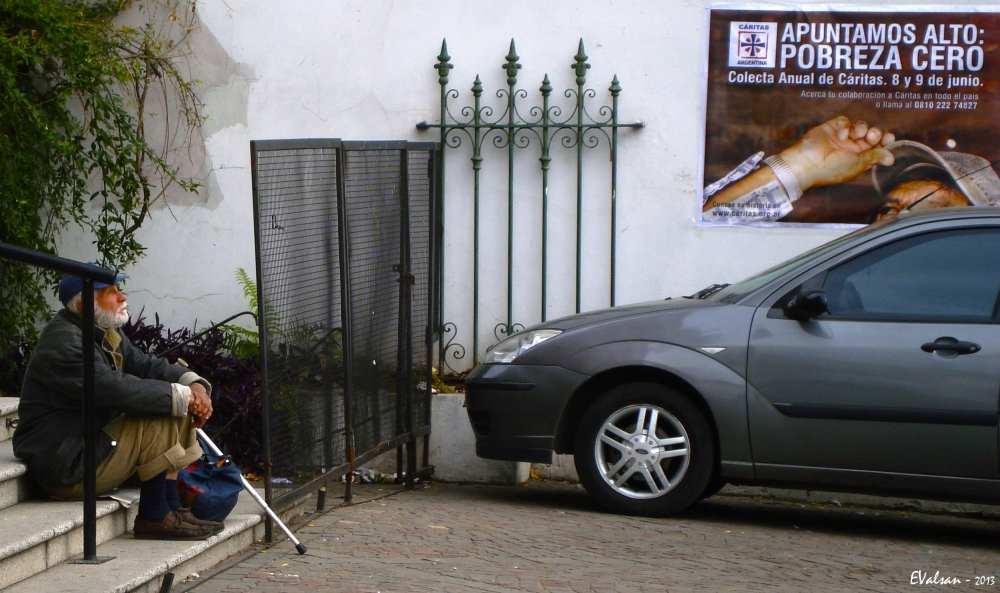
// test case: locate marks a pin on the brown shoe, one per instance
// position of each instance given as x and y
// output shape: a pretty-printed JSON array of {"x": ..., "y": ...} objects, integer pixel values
[
  {"x": 171, "y": 527},
  {"x": 188, "y": 517}
]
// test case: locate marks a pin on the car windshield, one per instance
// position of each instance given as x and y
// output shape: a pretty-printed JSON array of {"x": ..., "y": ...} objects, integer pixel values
[{"x": 734, "y": 292}]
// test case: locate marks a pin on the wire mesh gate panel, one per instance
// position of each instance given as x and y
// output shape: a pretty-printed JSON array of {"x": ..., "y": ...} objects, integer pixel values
[{"x": 345, "y": 241}]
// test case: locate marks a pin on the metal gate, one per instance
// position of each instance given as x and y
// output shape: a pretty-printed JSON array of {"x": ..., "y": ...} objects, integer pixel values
[
  {"x": 512, "y": 126},
  {"x": 346, "y": 242}
]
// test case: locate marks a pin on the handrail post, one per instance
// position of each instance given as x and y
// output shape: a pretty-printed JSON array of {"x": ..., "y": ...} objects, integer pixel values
[{"x": 89, "y": 430}]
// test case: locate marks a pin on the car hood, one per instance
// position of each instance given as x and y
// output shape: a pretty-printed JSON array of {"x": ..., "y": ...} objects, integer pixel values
[
  {"x": 602, "y": 315},
  {"x": 588, "y": 340}
]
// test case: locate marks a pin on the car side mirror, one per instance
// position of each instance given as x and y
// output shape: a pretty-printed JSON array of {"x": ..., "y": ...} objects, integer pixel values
[{"x": 807, "y": 305}]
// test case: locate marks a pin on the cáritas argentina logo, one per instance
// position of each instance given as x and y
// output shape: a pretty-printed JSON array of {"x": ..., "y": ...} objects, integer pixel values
[{"x": 752, "y": 45}]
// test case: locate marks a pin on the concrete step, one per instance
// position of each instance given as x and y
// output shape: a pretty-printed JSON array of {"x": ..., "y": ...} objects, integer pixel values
[
  {"x": 8, "y": 417},
  {"x": 14, "y": 483},
  {"x": 37, "y": 535},
  {"x": 139, "y": 565}
]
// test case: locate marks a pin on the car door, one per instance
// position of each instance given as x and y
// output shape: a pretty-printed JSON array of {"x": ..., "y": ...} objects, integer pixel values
[{"x": 902, "y": 374}]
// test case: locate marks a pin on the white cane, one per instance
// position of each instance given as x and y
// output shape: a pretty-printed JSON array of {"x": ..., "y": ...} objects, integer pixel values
[{"x": 246, "y": 486}]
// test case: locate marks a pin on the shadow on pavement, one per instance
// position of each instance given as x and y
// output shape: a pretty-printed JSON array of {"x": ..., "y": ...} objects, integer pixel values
[
  {"x": 894, "y": 525},
  {"x": 561, "y": 496},
  {"x": 909, "y": 526}
]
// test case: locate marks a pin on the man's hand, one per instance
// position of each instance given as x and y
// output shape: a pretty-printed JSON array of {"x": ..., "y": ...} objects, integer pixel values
[
  {"x": 200, "y": 405},
  {"x": 837, "y": 151}
]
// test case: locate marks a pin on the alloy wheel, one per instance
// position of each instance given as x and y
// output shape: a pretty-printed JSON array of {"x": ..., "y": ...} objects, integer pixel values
[{"x": 642, "y": 451}]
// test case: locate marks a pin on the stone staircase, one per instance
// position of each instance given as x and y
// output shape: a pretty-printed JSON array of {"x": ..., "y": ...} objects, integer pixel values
[{"x": 38, "y": 536}]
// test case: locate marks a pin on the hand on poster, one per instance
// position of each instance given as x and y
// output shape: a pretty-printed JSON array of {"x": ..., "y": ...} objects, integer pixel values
[
  {"x": 833, "y": 152},
  {"x": 837, "y": 151}
]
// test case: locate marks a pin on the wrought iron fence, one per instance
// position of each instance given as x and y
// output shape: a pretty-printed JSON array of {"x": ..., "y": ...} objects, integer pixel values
[
  {"x": 577, "y": 127},
  {"x": 346, "y": 289}
]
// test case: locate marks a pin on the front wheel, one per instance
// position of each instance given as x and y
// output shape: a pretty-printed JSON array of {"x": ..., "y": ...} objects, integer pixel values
[{"x": 644, "y": 449}]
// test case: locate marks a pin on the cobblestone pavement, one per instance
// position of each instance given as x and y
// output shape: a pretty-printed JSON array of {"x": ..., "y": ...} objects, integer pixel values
[{"x": 550, "y": 537}]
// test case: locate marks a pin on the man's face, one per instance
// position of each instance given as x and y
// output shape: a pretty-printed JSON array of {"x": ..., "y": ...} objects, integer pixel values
[
  {"x": 906, "y": 194},
  {"x": 110, "y": 308}
]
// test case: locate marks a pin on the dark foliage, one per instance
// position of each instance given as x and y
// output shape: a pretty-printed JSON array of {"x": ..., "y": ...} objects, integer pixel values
[
  {"x": 13, "y": 362},
  {"x": 236, "y": 424}
]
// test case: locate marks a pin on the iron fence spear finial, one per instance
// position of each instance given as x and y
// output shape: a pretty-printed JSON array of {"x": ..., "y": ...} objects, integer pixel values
[
  {"x": 615, "y": 88},
  {"x": 443, "y": 65},
  {"x": 581, "y": 66},
  {"x": 512, "y": 66}
]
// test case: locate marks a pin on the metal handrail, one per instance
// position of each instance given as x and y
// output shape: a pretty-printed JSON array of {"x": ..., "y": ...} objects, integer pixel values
[{"x": 89, "y": 274}]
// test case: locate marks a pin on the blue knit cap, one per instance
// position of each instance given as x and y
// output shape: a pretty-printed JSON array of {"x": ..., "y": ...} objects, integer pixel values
[{"x": 71, "y": 285}]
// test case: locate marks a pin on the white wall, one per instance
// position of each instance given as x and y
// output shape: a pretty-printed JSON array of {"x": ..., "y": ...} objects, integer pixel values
[{"x": 363, "y": 70}]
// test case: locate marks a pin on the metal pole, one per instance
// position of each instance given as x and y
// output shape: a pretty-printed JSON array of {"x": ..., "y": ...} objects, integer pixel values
[
  {"x": 580, "y": 67},
  {"x": 402, "y": 340},
  {"x": 321, "y": 498},
  {"x": 407, "y": 323},
  {"x": 443, "y": 67},
  {"x": 346, "y": 315},
  {"x": 477, "y": 164},
  {"x": 331, "y": 250},
  {"x": 546, "y": 90},
  {"x": 262, "y": 329},
  {"x": 253, "y": 493},
  {"x": 434, "y": 272},
  {"x": 615, "y": 89},
  {"x": 59, "y": 264},
  {"x": 511, "y": 67},
  {"x": 89, "y": 428}
]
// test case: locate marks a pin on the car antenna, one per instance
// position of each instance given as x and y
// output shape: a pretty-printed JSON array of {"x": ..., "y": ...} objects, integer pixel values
[{"x": 949, "y": 184}]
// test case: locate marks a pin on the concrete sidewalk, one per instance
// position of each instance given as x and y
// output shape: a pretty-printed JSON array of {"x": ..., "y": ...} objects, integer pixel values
[{"x": 548, "y": 536}]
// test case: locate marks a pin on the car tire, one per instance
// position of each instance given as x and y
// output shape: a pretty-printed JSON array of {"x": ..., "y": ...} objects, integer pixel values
[
  {"x": 627, "y": 470},
  {"x": 713, "y": 488}
]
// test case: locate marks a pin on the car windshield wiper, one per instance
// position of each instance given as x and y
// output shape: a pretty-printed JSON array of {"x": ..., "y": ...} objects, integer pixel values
[{"x": 705, "y": 292}]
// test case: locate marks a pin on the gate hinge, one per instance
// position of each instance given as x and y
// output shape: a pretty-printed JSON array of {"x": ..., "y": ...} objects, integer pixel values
[
  {"x": 407, "y": 277},
  {"x": 11, "y": 422}
]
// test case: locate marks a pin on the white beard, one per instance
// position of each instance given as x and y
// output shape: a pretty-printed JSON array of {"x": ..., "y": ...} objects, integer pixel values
[{"x": 105, "y": 319}]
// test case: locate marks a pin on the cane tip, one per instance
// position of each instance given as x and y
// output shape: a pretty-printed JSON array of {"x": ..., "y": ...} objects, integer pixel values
[{"x": 301, "y": 548}]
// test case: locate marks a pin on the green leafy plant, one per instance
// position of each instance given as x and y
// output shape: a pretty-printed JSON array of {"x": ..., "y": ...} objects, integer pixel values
[
  {"x": 249, "y": 287},
  {"x": 77, "y": 90},
  {"x": 243, "y": 342}
]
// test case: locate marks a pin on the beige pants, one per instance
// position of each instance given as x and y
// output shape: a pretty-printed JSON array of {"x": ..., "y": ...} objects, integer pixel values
[{"x": 147, "y": 446}]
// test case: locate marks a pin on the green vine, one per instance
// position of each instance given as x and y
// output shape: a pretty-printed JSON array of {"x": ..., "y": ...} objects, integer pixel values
[{"x": 79, "y": 91}]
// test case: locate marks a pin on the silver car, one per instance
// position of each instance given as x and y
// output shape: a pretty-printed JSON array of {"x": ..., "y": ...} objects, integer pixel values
[{"x": 869, "y": 364}]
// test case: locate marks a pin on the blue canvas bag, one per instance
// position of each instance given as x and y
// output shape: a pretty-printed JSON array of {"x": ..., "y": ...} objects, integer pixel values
[{"x": 210, "y": 486}]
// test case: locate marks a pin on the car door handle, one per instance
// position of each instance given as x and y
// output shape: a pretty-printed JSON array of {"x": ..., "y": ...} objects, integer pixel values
[{"x": 947, "y": 344}]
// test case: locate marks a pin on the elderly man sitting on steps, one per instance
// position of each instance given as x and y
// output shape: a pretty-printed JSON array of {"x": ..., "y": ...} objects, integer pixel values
[{"x": 148, "y": 410}]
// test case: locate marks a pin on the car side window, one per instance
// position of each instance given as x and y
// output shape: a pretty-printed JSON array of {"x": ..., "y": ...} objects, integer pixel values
[{"x": 940, "y": 276}]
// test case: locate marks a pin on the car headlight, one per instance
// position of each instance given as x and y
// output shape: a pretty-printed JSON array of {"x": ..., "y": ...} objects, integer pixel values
[{"x": 509, "y": 349}]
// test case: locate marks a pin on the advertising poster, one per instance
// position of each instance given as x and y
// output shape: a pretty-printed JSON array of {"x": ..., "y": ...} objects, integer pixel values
[{"x": 843, "y": 117}]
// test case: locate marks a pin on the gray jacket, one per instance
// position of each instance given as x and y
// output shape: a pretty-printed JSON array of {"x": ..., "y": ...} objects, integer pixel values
[{"x": 49, "y": 434}]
